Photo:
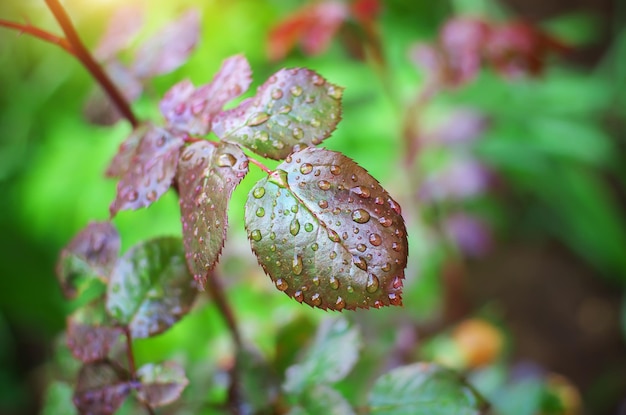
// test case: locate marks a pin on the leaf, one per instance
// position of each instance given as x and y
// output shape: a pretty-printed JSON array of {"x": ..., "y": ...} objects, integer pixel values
[
  {"x": 192, "y": 110},
  {"x": 327, "y": 233},
  {"x": 122, "y": 28},
  {"x": 150, "y": 288},
  {"x": 122, "y": 160},
  {"x": 101, "y": 388},
  {"x": 90, "y": 333},
  {"x": 150, "y": 172},
  {"x": 169, "y": 48},
  {"x": 257, "y": 381},
  {"x": 423, "y": 388},
  {"x": 161, "y": 384},
  {"x": 329, "y": 359},
  {"x": 294, "y": 107},
  {"x": 207, "y": 175},
  {"x": 321, "y": 399},
  {"x": 91, "y": 254}
]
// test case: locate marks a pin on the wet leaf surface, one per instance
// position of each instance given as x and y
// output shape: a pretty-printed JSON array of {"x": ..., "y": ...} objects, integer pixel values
[
  {"x": 151, "y": 288},
  {"x": 161, "y": 384},
  {"x": 327, "y": 233},
  {"x": 423, "y": 388},
  {"x": 190, "y": 109},
  {"x": 123, "y": 26},
  {"x": 91, "y": 254},
  {"x": 90, "y": 332},
  {"x": 150, "y": 169},
  {"x": 321, "y": 399},
  {"x": 329, "y": 359},
  {"x": 101, "y": 388},
  {"x": 207, "y": 175},
  {"x": 169, "y": 48},
  {"x": 294, "y": 107}
]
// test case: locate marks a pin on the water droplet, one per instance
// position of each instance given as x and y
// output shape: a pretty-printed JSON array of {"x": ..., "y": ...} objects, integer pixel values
[
  {"x": 375, "y": 239},
  {"x": 260, "y": 212},
  {"x": 399, "y": 233},
  {"x": 258, "y": 118},
  {"x": 335, "y": 92},
  {"x": 361, "y": 191},
  {"x": 323, "y": 204},
  {"x": 397, "y": 282},
  {"x": 297, "y": 133},
  {"x": 337, "y": 211},
  {"x": 323, "y": 184},
  {"x": 296, "y": 266},
  {"x": 350, "y": 289},
  {"x": 386, "y": 267},
  {"x": 308, "y": 226},
  {"x": 335, "y": 170},
  {"x": 298, "y": 296},
  {"x": 316, "y": 281},
  {"x": 273, "y": 248},
  {"x": 314, "y": 246},
  {"x": 316, "y": 300},
  {"x": 333, "y": 236},
  {"x": 361, "y": 248},
  {"x": 281, "y": 284},
  {"x": 296, "y": 90},
  {"x": 318, "y": 80},
  {"x": 340, "y": 304},
  {"x": 333, "y": 283},
  {"x": 226, "y": 160},
  {"x": 396, "y": 247},
  {"x": 344, "y": 235},
  {"x": 372, "y": 283},
  {"x": 160, "y": 141},
  {"x": 315, "y": 123},
  {"x": 285, "y": 109},
  {"x": 272, "y": 236},
  {"x": 277, "y": 93},
  {"x": 259, "y": 192},
  {"x": 151, "y": 196},
  {"x": 295, "y": 208},
  {"x": 294, "y": 227},
  {"x": 379, "y": 201},
  {"x": 132, "y": 195},
  {"x": 332, "y": 255},
  {"x": 306, "y": 168},
  {"x": 385, "y": 221},
  {"x": 261, "y": 135},
  {"x": 360, "y": 216},
  {"x": 201, "y": 240},
  {"x": 360, "y": 262},
  {"x": 187, "y": 155},
  {"x": 396, "y": 207},
  {"x": 256, "y": 235},
  {"x": 394, "y": 299}
]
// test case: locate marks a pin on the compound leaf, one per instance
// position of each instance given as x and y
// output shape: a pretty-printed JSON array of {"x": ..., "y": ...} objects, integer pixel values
[
  {"x": 331, "y": 356},
  {"x": 294, "y": 107},
  {"x": 161, "y": 384},
  {"x": 423, "y": 389},
  {"x": 327, "y": 233},
  {"x": 192, "y": 110},
  {"x": 150, "y": 169},
  {"x": 321, "y": 399},
  {"x": 101, "y": 388},
  {"x": 91, "y": 254},
  {"x": 150, "y": 288},
  {"x": 169, "y": 48},
  {"x": 207, "y": 175}
]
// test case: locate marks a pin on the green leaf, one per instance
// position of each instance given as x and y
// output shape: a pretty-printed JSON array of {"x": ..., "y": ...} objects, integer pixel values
[
  {"x": 58, "y": 400},
  {"x": 322, "y": 399},
  {"x": 161, "y": 384},
  {"x": 150, "y": 288},
  {"x": 258, "y": 383},
  {"x": 327, "y": 233},
  {"x": 207, "y": 175},
  {"x": 423, "y": 388},
  {"x": 91, "y": 254},
  {"x": 101, "y": 388},
  {"x": 294, "y": 107},
  {"x": 329, "y": 359}
]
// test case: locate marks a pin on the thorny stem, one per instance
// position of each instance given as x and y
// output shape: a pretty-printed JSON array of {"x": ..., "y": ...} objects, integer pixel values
[
  {"x": 40, "y": 34},
  {"x": 83, "y": 55},
  {"x": 131, "y": 363}
]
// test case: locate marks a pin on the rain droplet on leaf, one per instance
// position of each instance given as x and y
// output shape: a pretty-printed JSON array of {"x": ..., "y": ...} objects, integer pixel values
[
  {"x": 360, "y": 216},
  {"x": 258, "y": 118},
  {"x": 372, "y": 283},
  {"x": 256, "y": 235}
]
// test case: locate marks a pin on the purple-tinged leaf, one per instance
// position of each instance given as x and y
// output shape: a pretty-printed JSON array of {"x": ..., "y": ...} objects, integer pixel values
[
  {"x": 327, "y": 233},
  {"x": 192, "y": 110},
  {"x": 294, "y": 107},
  {"x": 101, "y": 388},
  {"x": 470, "y": 234},
  {"x": 462, "y": 178},
  {"x": 128, "y": 84},
  {"x": 151, "y": 170},
  {"x": 207, "y": 175},
  {"x": 122, "y": 160},
  {"x": 90, "y": 334},
  {"x": 91, "y": 254},
  {"x": 122, "y": 28},
  {"x": 169, "y": 48},
  {"x": 161, "y": 384},
  {"x": 150, "y": 288}
]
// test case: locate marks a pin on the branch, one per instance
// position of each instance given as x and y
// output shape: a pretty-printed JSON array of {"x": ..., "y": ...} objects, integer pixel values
[
  {"x": 40, "y": 34},
  {"x": 131, "y": 363},
  {"x": 81, "y": 52},
  {"x": 216, "y": 291}
]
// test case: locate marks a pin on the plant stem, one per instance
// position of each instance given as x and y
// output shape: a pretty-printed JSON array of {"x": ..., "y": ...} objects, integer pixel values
[
  {"x": 260, "y": 165},
  {"x": 81, "y": 52},
  {"x": 40, "y": 34},
  {"x": 131, "y": 363},
  {"x": 216, "y": 290}
]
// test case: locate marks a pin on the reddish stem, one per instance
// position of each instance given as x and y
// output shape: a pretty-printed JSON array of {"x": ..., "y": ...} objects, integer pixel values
[
  {"x": 81, "y": 52},
  {"x": 131, "y": 363},
  {"x": 40, "y": 34},
  {"x": 260, "y": 165}
]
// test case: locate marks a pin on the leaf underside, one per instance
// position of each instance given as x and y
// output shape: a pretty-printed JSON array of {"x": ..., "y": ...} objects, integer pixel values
[
  {"x": 295, "y": 107},
  {"x": 101, "y": 388},
  {"x": 327, "y": 233},
  {"x": 207, "y": 175},
  {"x": 161, "y": 384}
]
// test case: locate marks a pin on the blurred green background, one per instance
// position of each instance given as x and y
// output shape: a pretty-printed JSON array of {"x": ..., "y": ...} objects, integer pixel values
[{"x": 555, "y": 275}]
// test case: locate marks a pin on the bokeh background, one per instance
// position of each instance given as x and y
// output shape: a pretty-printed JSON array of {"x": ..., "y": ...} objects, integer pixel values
[{"x": 536, "y": 245}]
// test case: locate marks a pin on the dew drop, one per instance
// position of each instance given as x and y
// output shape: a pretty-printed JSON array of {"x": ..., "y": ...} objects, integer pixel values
[
  {"x": 335, "y": 92},
  {"x": 297, "y": 133},
  {"x": 333, "y": 283},
  {"x": 132, "y": 195},
  {"x": 316, "y": 300},
  {"x": 318, "y": 80},
  {"x": 372, "y": 283},
  {"x": 151, "y": 196},
  {"x": 361, "y": 191},
  {"x": 273, "y": 248},
  {"x": 226, "y": 160},
  {"x": 272, "y": 236},
  {"x": 350, "y": 289},
  {"x": 394, "y": 299},
  {"x": 333, "y": 236},
  {"x": 385, "y": 221},
  {"x": 360, "y": 216},
  {"x": 332, "y": 255},
  {"x": 375, "y": 239},
  {"x": 294, "y": 227},
  {"x": 285, "y": 109},
  {"x": 299, "y": 297},
  {"x": 258, "y": 118},
  {"x": 361, "y": 248},
  {"x": 306, "y": 168},
  {"x": 281, "y": 284},
  {"x": 256, "y": 235},
  {"x": 260, "y": 212},
  {"x": 386, "y": 267},
  {"x": 296, "y": 90},
  {"x": 323, "y": 204},
  {"x": 295, "y": 208},
  {"x": 161, "y": 141},
  {"x": 308, "y": 226},
  {"x": 277, "y": 93},
  {"x": 314, "y": 246},
  {"x": 396, "y": 207},
  {"x": 396, "y": 247},
  {"x": 399, "y": 233},
  {"x": 397, "y": 282},
  {"x": 296, "y": 266},
  {"x": 261, "y": 136},
  {"x": 315, "y": 123},
  {"x": 259, "y": 192},
  {"x": 360, "y": 262},
  {"x": 340, "y": 304},
  {"x": 323, "y": 184},
  {"x": 316, "y": 281},
  {"x": 379, "y": 201},
  {"x": 335, "y": 170},
  {"x": 187, "y": 155}
]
